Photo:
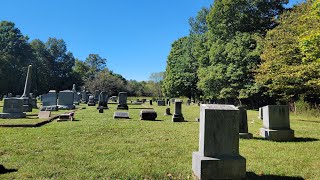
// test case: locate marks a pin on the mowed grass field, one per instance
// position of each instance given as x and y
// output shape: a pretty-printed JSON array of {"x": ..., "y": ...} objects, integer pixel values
[{"x": 96, "y": 146}]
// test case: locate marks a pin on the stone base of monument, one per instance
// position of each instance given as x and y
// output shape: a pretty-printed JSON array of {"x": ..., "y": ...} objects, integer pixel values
[
  {"x": 49, "y": 108},
  {"x": 177, "y": 118},
  {"x": 229, "y": 167},
  {"x": 277, "y": 135},
  {"x": 148, "y": 115},
  {"x": 122, "y": 106},
  {"x": 65, "y": 107},
  {"x": 103, "y": 105},
  {"x": 245, "y": 135},
  {"x": 12, "y": 115}
]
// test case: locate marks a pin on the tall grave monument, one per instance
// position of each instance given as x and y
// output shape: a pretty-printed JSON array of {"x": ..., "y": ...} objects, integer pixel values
[
  {"x": 276, "y": 124},
  {"x": 218, "y": 156},
  {"x": 177, "y": 116},
  {"x": 122, "y": 104},
  {"x": 27, "y": 106},
  {"x": 103, "y": 100}
]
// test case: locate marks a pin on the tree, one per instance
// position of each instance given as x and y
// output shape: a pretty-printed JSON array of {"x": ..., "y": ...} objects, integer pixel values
[
  {"x": 198, "y": 24},
  {"x": 157, "y": 78},
  {"x": 95, "y": 64}
]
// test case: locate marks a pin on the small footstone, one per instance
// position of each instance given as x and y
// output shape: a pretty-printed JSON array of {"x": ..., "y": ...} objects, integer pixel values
[
  {"x": 121, "y": 115},
  {"x": 44, "y": 114}
]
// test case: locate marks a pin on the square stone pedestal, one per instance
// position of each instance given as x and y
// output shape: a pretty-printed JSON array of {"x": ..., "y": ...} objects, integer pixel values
[
  {"x": 277, "y": 135},
  {"x": 228, "y": 167}
]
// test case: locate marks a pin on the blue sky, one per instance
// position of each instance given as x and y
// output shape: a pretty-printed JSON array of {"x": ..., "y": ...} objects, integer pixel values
[{"x": 135, "y": 36}]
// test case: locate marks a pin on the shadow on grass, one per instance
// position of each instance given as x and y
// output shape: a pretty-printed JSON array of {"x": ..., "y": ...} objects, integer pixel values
[
  {"x": 296, "y": 139},
  {"x": 141, "y": 108},
  {"x": 251, "y": 175},
  {"x": 151, "y": 120},
  {"x": 309, "y": 121},
  {"x": 4, "y": 170}
]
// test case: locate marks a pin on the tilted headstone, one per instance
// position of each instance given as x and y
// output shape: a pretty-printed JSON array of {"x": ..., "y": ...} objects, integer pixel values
[
  {"x": 218, "y": 156},
  {"x": 91, "y": 101},
  {"x": 276, "y": 123},
  {"x": 243, "y": 124},
  {"x": 49, "y": 101},
  {"x": 148, "y": 115},
  {"x": 122, "y": 104},
  {"x": 27, "y": 107},
  {"x": 65, "y": 100},
  {"x": 177, "y": 116},
  {"x": 161, "y": 103},
  {"x": 103, "y": 100},
  {"x": 12, "y": 108}
]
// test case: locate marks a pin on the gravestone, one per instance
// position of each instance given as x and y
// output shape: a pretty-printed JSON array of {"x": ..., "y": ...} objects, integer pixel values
[
  {"x": 260, "y": 116},
  {"x": 100, "y": 109},
  {"x": 243, "y": 124},
  {"x": 75, "y": 95},
  {"x": 121, "y": 115},
  {"x": 65, "y": 100},
  {"x": 27, "y": 107},
  {"x": 122, "y": 104},
  {"x": 218, "y": 156},
  {"x": 96, "y": 95},
  {"x": 144, "y": 100},
  {"x": 9, "y": 95},
  {"x": 167, "y": 113},
  {"x": 150, "y": 102},
  {"x": 91, "y": 101},
  {"x": 49, "y": 101},
  {"x": 276, "y": 123},
  {"x": 13, "y": 108},
  {"x": 44, "y": 114},
  {"x": 148, "y": 115},
  {"x": 161, "y": 103},
  {"x": 177, "y": 116},
  {"x": 84, "y": 96},
  {"x": 103, "y": 100}
]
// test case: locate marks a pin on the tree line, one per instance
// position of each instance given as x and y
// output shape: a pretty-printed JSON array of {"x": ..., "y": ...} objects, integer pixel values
[
  {"x": 248, "y": 52},
  {"x": 55, "y": 68}
]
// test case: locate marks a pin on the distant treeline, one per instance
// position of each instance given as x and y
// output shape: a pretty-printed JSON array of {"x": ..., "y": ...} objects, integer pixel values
[
  {"x": 248, "y": 52},
  {"x": 55, "y": 68}
]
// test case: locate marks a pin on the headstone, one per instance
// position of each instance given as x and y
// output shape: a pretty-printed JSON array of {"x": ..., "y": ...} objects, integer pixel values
[
  {"x": 260, "y": 116},
  {"x": 84, "y": 96},
  {"x": 177, "y": 116},
  {"x": 96, "y": 95},
  {"x": 144, "y": 100},
  {"x": 121, "y": 115},
  {"x": 100, "y": 109},
  {"x": 148, "y": 115},
  {"x": 9, "y": 95},
  {"x": 276, "y": 124},
  {"x": 150, "y": 102},
  {"x": 91, "y": 101},
  {"x": 75, "y": 95},
  {"x": 49, "y": 101},
  {"x": 167, "y": 113},
  {"x": 218, "y": 156},
  {"x": 27, "y": 107},
  {"x": 44, "y": 114},
  {"x": 122, "y": 104},
  {"x": 12, "y": 108},
  {"x": 103, "y": 100},
  {"x": 161, "y": 103},
  {"x": 65, "y": 100},
  {"x": 243, "y": 124}
]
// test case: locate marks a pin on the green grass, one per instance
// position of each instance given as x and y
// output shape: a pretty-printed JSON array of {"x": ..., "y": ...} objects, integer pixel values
[{"x": 100, "y": 147}]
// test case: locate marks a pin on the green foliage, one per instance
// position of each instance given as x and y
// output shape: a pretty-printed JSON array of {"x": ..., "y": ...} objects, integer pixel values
[
  {"x": 198, "y": 25},
  {"x": 291, "y": 66}
]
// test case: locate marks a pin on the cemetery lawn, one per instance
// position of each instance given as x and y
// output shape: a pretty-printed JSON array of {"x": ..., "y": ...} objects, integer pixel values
[{"x": 96, "y": 146}]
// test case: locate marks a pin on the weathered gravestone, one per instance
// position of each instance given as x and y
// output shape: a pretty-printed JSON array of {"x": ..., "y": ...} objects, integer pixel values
[
  {"x": 167, "y": 113},
  {"x": 243, "y": 124},
  {"x": 44, "y": 114},
  {"x": 91, "y": 101},
  {"x": 148, "y": 115},
  {"x": 76, "y": 98},
  {"x": 65, "y": 100},
  {"x": 103, "y": 100},
  {"x": 260, "y": 116},
  {"x": 84, "y": 96},
  {"x": 218, "y": 156},
  {"x": 122, "y": 104},
  {"x": 177, "y": 116},
  {"x": 276, "y": 123},
  {"x": 161, "y": 103},
  {"x": 27, "y": 107},
  {"x": 121, "y": 115},
  {"x": 12, "y": 108},
  {"x": 49, "y": 101}
]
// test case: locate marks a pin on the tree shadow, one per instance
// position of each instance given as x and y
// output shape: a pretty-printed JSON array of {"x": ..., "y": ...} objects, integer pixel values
[
  {"x": 4, "y": 170},
  {"x": 309, "y": 121},
  {"x": 141, "y": 108},
  {"x": 254, "y": 176},
  {"x": 296, "y": 139}
]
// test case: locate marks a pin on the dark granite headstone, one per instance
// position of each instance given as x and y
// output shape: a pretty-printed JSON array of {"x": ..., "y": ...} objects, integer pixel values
[
  {"x": 177, "y": 116},
  {"x": 148, "y": 115}
]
